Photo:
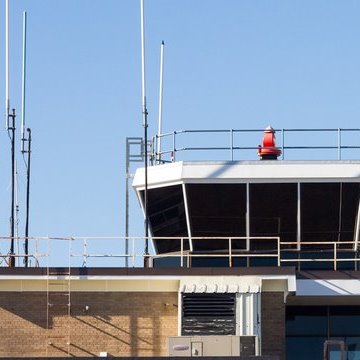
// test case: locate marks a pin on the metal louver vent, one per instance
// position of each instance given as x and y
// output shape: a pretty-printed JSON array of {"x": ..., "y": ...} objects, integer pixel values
[{"x": 208, "y": 314}]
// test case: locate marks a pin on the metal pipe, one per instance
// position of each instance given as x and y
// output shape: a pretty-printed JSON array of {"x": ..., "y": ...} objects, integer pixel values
[
  {"x": 16, "y": 216},
  {"x": 23, "y": 83},
  {"x": 143, "y": 79},
  {"x": 247, "y": 217},
  {"x": 158, "y": 150},
  {"x": 127, "y": 204},
  {"x": 298, "y": 216},
  {"x": 339, "y": 144},
  {"x": 12, "y": 222},
  {"x": 7, "y": 90},
  {"x": 174, "y": 147},
  {"x": 145, "y": 125},
  {"x": 27, "y": 199}
]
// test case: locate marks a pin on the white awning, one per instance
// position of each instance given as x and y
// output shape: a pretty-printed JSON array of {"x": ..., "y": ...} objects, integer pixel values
[{"x": 221, "y": 284}]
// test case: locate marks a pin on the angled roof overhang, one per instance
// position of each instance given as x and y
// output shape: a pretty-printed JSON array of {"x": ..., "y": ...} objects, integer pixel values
[{"x": 248, "y": 171}]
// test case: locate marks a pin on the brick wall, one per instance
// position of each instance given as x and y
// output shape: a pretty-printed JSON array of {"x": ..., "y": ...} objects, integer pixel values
[
  {"x": 273, "y": 324},
  {"x": 121, "y": 323}
]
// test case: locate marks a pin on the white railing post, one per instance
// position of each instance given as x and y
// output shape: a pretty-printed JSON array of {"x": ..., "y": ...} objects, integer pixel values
[
  {"x": 182, "y": 252},
  {"x": 335, "y": 256},
  {"x": 278, "y": 252},
  {"x": 232, "y": 144},
  {"x": 174, "y": 147},
  {"x": 133, "y": 252},
  {"x": 339, "y": 143},
  {"x": 230, "y": 252},
  {"x": 85, "y": 252}
]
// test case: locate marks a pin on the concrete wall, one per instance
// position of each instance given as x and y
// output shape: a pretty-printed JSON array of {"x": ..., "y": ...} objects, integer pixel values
[{"x": 121, "y": 323}]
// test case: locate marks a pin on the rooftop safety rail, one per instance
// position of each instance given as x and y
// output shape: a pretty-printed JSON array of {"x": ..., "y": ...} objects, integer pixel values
[
  {"x": 235, "y": 144},
  {"x": 226, "y": 252}
]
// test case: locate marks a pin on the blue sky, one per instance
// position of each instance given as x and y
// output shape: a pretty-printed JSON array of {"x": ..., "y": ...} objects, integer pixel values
[{"x": 228, "y": 64}]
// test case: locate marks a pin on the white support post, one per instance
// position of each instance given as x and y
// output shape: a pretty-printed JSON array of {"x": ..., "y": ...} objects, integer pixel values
[
  {"x": 247, "y": 216},
  {"x": 158, "y": 150},
  {"x": 357, "y": 228},
  {"x": 188, "y": 224},
  {"x": 179, "y": 312},
  {"x": 298, "y": 228}
]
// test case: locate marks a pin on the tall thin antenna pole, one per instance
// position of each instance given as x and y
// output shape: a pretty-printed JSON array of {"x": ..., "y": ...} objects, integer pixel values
[
  {"x": 7, "y": 90},
  {"x": 12, "y": 222},
  {"x": 23, "y": 83},
  {"x": 27, "y": 199},
  {"x": 158, "y": 150},
  {"x": 145, "y": 125},
  {"x": 127, "y": 203},
  {"x": 16, "y": 219}
]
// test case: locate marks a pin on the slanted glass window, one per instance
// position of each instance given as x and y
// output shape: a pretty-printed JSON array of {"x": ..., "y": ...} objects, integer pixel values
[
  {"x": 167, "y": 216},
  {"x": 216, "y": 210},
  {"x": 328, "y": 211},
  {"x": 273, "y": 213}
]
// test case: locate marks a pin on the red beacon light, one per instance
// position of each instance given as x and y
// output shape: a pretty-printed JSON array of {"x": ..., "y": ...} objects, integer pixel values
[{"x": 268, "y": 150}]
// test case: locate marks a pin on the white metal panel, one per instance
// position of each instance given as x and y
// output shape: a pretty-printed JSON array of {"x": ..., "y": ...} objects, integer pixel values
[
  {"x": 342, "y": 287},
  {"x": 248, "y": 314},
  {"x": 272, "y": 171},
  {"x": 221, "y": 284},
  {"x": 166, "y": 174},
  {"x": 245, "y": 171}
]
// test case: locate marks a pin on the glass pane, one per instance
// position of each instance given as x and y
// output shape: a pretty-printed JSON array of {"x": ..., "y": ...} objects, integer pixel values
[
  {"x": 273, "y": 218},
  {"x": 353, "y": 348},
  {"x": 344, "y": 321},
  {"x": 301, "y": 348},
  {"x": 217, "y": 210},
  {"x": 306, "y": 320}
]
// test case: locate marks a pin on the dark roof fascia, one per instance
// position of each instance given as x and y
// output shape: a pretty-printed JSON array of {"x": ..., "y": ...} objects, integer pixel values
[{"x": 100, "y": 271}]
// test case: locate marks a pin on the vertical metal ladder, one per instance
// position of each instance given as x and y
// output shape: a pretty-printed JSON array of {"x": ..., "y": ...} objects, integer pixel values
[{"x": 58, "y": 310}]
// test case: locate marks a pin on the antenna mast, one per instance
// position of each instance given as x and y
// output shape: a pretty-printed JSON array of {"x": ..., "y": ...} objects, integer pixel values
[
  {"x": 7, "y": 101},
  {"x": 145, "y": 125},
  {"x": 23, "y": 83},
  {"x": 16, "y": 217},
  {"x": 158, "y": 150},
  {"x": 27, "y": 198},
  {"x": 12, "y": 220}
]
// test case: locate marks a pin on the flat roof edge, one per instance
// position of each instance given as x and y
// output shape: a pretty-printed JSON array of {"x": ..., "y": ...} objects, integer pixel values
[{"x": 64, "y": 271}]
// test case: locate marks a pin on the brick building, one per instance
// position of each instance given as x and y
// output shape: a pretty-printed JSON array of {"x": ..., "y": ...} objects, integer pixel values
[{"x": 120, "y": 312}]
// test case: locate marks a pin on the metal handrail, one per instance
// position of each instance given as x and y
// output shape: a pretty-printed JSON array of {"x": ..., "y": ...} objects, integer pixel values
[
  {"x": 278, "y": 251},
  {"x": 170, "y": 153}
]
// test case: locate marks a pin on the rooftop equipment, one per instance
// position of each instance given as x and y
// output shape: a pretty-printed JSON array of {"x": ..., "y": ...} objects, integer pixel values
[{"x": 268, "y": 150}]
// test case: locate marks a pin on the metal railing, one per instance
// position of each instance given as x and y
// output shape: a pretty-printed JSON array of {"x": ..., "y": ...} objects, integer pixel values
[
  {"x": 83, "y": 251},
  {"x": 178, "y": 142}
]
